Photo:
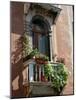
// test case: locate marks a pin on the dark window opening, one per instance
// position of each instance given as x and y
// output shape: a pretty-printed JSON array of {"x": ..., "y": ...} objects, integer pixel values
[{"x": 40, "y": 36}]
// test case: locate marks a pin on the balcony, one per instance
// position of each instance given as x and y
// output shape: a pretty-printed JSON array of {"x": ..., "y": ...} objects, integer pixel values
[
  {"x": 37, "y": 84},
  {"x": 45, "y": 78}
]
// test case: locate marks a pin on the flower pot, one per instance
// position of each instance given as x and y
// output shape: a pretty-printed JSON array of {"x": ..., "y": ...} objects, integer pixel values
[{"x": 40, "y": 61}]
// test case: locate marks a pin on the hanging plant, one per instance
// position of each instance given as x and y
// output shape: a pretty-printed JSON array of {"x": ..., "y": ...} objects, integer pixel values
[
  {"x": 58, "y": 75},
  {"x": 48, "y": 70}
]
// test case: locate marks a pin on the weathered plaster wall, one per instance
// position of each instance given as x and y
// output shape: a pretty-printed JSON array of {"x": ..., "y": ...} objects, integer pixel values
[
  {"x": 64, "y": 39},
  {"x": 63, "y": 46},
  {"x": 17, "y": 28}
]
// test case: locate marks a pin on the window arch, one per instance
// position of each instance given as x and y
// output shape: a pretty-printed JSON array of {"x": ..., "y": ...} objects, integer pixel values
[{"x": 41, "y": 22}]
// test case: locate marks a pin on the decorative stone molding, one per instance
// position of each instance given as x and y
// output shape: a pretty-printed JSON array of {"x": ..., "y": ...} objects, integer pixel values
[{"x": 46, "y": 10}]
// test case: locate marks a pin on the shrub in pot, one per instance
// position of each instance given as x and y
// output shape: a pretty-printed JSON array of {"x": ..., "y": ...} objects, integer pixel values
[
  {"x": 48, "y": 70},
  {"x": 26, "y": 47},
  {"x": 34, "y": 52},
  {"x": 58, "y": 75},
  {"x": 42, "y": 59}
]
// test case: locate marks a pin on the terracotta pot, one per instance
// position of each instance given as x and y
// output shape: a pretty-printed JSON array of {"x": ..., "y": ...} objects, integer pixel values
[{"x": 40, "y": 61}]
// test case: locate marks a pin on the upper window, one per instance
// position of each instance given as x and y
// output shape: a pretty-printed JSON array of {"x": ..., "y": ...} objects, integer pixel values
[{"x": 40, "y": 34}]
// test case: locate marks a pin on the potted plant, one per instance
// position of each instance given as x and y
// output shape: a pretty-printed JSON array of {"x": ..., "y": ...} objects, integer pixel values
[
  {"x": 41, "y": 59},
  {"x": 48, "y": 70},
  {"x": 28, "y": 52},
  {"x": 33, "y": 53},
  {"x": 26, "y": 47},
  {"x": 60, "y": 60},
  {"x": 59, "y": 78},
  {"x": 58, "y": 75}
]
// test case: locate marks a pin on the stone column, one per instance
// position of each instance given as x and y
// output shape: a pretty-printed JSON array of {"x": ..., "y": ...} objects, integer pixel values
[{"x": 50, "y": 44}]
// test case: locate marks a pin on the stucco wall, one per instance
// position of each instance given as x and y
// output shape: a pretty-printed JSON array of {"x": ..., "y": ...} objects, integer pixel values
[
  {"x": 64, "y": 39},
  {"x": 63, "y": 42},
  {"x": 17, "y": 28}
]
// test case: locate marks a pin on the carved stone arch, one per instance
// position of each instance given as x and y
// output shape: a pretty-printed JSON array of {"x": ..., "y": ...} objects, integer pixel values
[{"x": 42, "y": 21}]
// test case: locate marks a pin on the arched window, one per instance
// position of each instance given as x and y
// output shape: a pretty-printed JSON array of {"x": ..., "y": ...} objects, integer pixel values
[
  {"x": 40, "y": 40},
  {"x": 40, "y": 34}
]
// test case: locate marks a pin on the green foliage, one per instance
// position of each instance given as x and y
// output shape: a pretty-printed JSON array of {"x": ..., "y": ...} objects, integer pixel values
[
  {"x": 58, "y": 75},
  {"x": 26, "y": 47},
  {"x": 42, "y": 56},
  {"x": 34, "y": 52},
  {"x": 46, "y": 58},
  {"x": 37, "y": 54},
  {"x": 48, "y": 70}
]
